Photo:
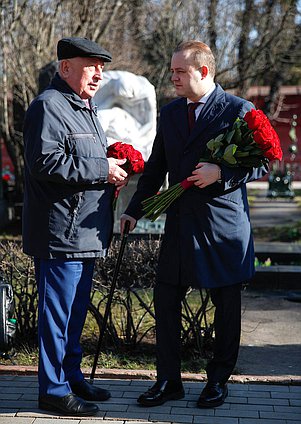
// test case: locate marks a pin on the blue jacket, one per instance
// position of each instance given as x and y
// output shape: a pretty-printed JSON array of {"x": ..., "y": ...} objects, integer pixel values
[
  {"x": 67, "y": 209},
  {"x": 207, "y": 240}
]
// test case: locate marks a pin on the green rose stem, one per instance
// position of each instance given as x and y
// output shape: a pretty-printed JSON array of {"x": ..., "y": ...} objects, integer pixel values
[{"x": 154, "y": 206}]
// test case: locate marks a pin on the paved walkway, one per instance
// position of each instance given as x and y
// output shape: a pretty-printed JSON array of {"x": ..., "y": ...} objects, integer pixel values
[{"x": 246, "y": 404}]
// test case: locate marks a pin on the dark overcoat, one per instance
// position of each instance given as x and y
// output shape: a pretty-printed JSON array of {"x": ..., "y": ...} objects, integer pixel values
[{"x": 208, "y": 240}]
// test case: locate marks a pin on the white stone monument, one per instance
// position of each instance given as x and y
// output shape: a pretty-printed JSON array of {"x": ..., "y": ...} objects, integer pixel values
[{"x": 127, "y": 109}]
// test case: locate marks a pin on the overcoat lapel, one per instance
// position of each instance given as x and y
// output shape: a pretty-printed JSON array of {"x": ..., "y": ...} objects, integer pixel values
[
  {"x": 180, "y": 118},
  {"x": 210, "y": 113}
]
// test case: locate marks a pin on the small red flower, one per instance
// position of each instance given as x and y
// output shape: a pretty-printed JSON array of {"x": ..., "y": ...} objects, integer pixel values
[
  {"x": 134, "y": 163},
  {"x": 264, "y": 134},
  {"x": 255, "y": 119}
]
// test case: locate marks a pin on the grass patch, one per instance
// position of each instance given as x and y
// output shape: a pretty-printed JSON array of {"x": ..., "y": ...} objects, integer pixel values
[
  {"x": 145, "y": 358},
  {"x": 281, "y": 233}
]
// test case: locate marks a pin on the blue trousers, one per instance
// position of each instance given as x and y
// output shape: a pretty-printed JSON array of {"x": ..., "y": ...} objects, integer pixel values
[{"x": 64, "y": 291}]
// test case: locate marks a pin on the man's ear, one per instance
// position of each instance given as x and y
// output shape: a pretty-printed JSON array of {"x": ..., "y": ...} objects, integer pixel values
[
  {"x": 65, "y": 68},
  {"x": 204, "y": 71}
]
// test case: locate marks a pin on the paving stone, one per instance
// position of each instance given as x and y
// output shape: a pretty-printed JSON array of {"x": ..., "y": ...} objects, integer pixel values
[
  {"x": 118, "y": 400},
  {"x": 215, "y": 420},
  {"x": 257, "y": 401},
  {"x": 295, "y": 389},
  {"x": 280, "y": 415},
  {"x": 193, "y": 411},
  {"x": 5, "y": 412},
  {"x": 261, "y": 421},
  {"x": 293, "y": 409},
  {"x": 116, "y": 394},
  {"x": 182, "y": 403},
  {"x": 142, "y": 383},
  {"x": 112, "y": 407},
  {"x": 294, "y": 402},
  {"x": 16, "y": 420},
  {"x": 248, "y": 407},
  {"x": 117, "y": 382},
  {"x": 237, "y": 413},
  {"x": 130, "y": 395},
  {"x": 10, "y": 396},
  {"x": 162, "y": 409},
  {"x": 28, "y": 396},
  {"x": 268, "y": 388},
  {"x": 21, "y": 390},
  {"x": 172, "y": 418},
  {"x": 189, "y": 398},
  {"x": 256, "y": 394},
  {"x": 35, "y": 413},
  {"x": 94, "y": 421},
  {"x": 18, "y": 404},
  {"x": 127, "y": 415},
  {"x": 131, "y": 389},
  {"x": 17, "y": 383},
  {"x": 291, "y": 395},
  {"x": 51, "y": 421},
  {"x": 231, "y": 399},
  {"x": 193, "y": 405}
]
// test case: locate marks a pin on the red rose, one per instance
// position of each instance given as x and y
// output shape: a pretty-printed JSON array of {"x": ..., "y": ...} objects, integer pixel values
[
  {"x": 265, "y": 137},
  {"x": 255, "y": 118},
  {"x": 274, "y": 153},
  {"x": 134, "y": 163}
]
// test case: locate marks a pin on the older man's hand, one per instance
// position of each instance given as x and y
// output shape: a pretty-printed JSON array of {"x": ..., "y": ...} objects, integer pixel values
[
  {"x": 124, "y": 217},
  {"x": 116, "y": 173}
]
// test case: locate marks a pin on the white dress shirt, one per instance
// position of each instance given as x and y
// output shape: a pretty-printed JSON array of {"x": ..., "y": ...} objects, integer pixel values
[{"x": 202, "y": 101}]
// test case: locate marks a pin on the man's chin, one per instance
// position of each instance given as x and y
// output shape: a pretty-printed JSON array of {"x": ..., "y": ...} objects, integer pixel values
[{"x": 179, "y": 92}]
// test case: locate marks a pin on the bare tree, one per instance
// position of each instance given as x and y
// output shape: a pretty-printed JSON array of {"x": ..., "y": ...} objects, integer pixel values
[
  {"x": 255, "y": 42},
  {"x": 29, "y": 32}
]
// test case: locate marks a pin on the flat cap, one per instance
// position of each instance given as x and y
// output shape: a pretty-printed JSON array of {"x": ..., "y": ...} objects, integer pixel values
[{"x": 81, "y": 47}]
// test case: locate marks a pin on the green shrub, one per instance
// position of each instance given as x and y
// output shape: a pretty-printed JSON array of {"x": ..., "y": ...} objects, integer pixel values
[{"x": 131, "y": 319}]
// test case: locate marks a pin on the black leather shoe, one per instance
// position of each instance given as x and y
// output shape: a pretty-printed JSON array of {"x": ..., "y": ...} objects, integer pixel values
[
  {"x": 67, "y": 405},
  {"x": 162, "y": 391},
  {"x": 87, "y": 391},
  {"x": 213, "y": 394}
]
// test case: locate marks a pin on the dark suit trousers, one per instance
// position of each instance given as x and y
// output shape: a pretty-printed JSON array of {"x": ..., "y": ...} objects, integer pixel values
[{"x": 227, "y": 320}]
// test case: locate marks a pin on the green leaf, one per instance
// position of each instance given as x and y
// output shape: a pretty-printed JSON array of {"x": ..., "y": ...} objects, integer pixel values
[
  {"x": 214, "y": 144},
  {"x": 229, "y": 136},
  {"x": 237, "y": 138},
  {"x": 228, "y": 155},
  {"x": 240, "y": 154},
  {"x": 237, "y": 124}
]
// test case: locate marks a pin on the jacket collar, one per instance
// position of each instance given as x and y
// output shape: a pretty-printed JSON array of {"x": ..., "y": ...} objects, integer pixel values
[{"x": 59, "y": 84}]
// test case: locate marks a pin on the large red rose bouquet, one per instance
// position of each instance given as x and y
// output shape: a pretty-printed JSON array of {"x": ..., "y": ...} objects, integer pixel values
[
  {"x": 134, "y": 161},
  {"x": 251, "y": 142}
]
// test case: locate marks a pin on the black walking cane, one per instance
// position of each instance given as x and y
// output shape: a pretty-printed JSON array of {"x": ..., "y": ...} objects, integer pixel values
[{"x": 110, "y": 298}]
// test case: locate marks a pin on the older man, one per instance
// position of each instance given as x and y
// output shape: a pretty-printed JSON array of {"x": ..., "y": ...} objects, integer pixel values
[{"x": 67, "y": 217}]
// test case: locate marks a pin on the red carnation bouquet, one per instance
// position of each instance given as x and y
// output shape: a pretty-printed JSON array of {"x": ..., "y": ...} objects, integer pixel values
[
  {"x": 134, "y": 161},
  {"x": 251, "y": 142}
]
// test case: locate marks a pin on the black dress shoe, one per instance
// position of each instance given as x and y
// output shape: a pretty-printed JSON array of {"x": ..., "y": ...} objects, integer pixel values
[
  {"x": 214, "y": 394},
  {"x": 87, "y": 391},
  {"x": 67, "y": 405},
  {"x": 162, "y": 391}
]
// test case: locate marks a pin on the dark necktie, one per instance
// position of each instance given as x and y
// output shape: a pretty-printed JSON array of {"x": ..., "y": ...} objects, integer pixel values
[{"x": 191, "y": 114}]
